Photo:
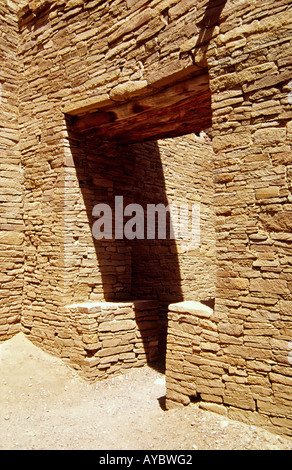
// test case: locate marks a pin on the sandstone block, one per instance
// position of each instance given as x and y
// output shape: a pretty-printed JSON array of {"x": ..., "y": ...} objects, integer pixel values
[
  {"x": 114, "y": 326},
  {"x": 175, "y": 71},
  {"x": 181, "y": 8},
  {"x": 265, "y": 263},
  {"x": 238, "y": 32},
  {"x": 243, "y": 77},
  {"x": 280, "y": 222},
  {"x": 189, "y": 44},
  {"x": 5, "y": 278},
  {"x": 115, "y": 350},
  {"x": 239, "y": 400},
  {"x": 289, "y": 133},
  {"x": 284, "y": 237},
  {"x": 174, "y": 396},
  {"x": 130, "y": 25},
  {"x": 233, "y": 283},
  {"x": 111, "y": 343},
  {"x": 267, "y": 81},
  {"x": 210, "y": 346},
  {"x": 274, "y": 409},
  {"x": 90, "y": 338},
  {"x": 281, "y": 379},
  {"x": 286, "y": 307},
  {"x": 259, "y": 236},
  {"x": 269, "y": 286},
  {"x": 128, "y": 356},
  {"x": 155, "y": 24},
  {"x": 106, "y": 360},
  {"x": 236, "y": 139},
  {"x": 269, "y": 136},
  {"x": 215, "y": 408},
  {"x": 284, "y": 425},
  {"x": 266, "y": 108},
  {"x": 259, "y": 366},
  {"x": 11, "y": 238},
  {"x": 192, "y": 307},
  {"x": 128, "y": 90},
  {"x": 249, "y": 417},
  {"x": 266, "y": 193},
  {"x": 229, "y": 339}
]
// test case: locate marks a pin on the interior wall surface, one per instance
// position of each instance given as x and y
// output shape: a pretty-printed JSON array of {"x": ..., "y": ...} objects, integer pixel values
[
  {"x": 113, "y": 51},
  {"x": 11, "y": 180},
  {"x": 182, "y": 267},
  {"x": 153, "y": 174}
]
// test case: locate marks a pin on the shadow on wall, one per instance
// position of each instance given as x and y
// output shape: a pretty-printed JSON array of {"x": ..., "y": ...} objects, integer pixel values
[
  {"x": 211, "y": 17},
  {"x": 130, "y": 268},
  {"x": 155, "y": 265},
  {"x": 207, "y": 24}
]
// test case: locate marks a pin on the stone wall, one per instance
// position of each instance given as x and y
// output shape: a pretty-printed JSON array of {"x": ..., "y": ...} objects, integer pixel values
[
  {"x": 102, "y": 338},
  {"x": 174, "y": 270},
  {"x": 252, "y": 175},
  {"x": 128, "y": 73},
  {"x": 240, "y": 355},
  {"x": 11, "y": 180},
  {"x": 212, "y": 360}
]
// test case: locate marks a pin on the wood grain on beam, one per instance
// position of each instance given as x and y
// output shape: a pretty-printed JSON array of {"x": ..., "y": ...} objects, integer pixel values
[{"x": 181, "y": 108}]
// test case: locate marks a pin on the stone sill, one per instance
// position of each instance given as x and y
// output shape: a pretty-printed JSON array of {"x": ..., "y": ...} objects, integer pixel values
[{"x": 191, "y": 307}]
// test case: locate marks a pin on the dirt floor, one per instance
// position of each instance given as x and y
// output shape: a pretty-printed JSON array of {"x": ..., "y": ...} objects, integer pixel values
[{"x": 45, "y": 405}]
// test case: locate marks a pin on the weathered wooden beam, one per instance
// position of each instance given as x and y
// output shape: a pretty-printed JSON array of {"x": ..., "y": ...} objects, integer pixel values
[
  {"x": 92, "y": 120},
  {"x": 174, "y": 110},
  {"x": 191, "y": 115}
]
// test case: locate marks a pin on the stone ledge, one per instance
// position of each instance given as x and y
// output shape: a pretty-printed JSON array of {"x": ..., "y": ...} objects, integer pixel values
[
  {"x": 104, "y": 305},
  {"x": 103, "y": 337},
  {"x": 192, "y": 307}
]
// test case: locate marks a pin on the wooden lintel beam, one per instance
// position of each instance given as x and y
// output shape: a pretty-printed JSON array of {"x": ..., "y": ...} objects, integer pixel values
[
  {"x": 174, "y": 104},
  {"x": 92, "y": 120}
]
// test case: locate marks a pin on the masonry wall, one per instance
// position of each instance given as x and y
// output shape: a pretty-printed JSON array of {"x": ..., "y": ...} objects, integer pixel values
[
  {"x": 252, "y": 143},
  {"x": 11, "y": 180},
  {"x": 72, "y": 52},
  {"x": 176, "y": 269},
  {"x": 240, "y": 353},
  {"x": 103, "y": 338}
]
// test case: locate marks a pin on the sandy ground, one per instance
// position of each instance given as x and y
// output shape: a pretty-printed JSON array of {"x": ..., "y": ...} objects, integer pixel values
[{"x": 45, "y": 405}]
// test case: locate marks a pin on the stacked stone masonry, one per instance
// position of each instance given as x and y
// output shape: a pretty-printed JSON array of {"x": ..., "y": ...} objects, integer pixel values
[
  {"x": 143, "y": 173},
  {"x": 158, "y": 101},
  {"x": 11, "y": 179},
  {"x": 221, "y": 363},
  {"x": 102, "y": 338}
]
